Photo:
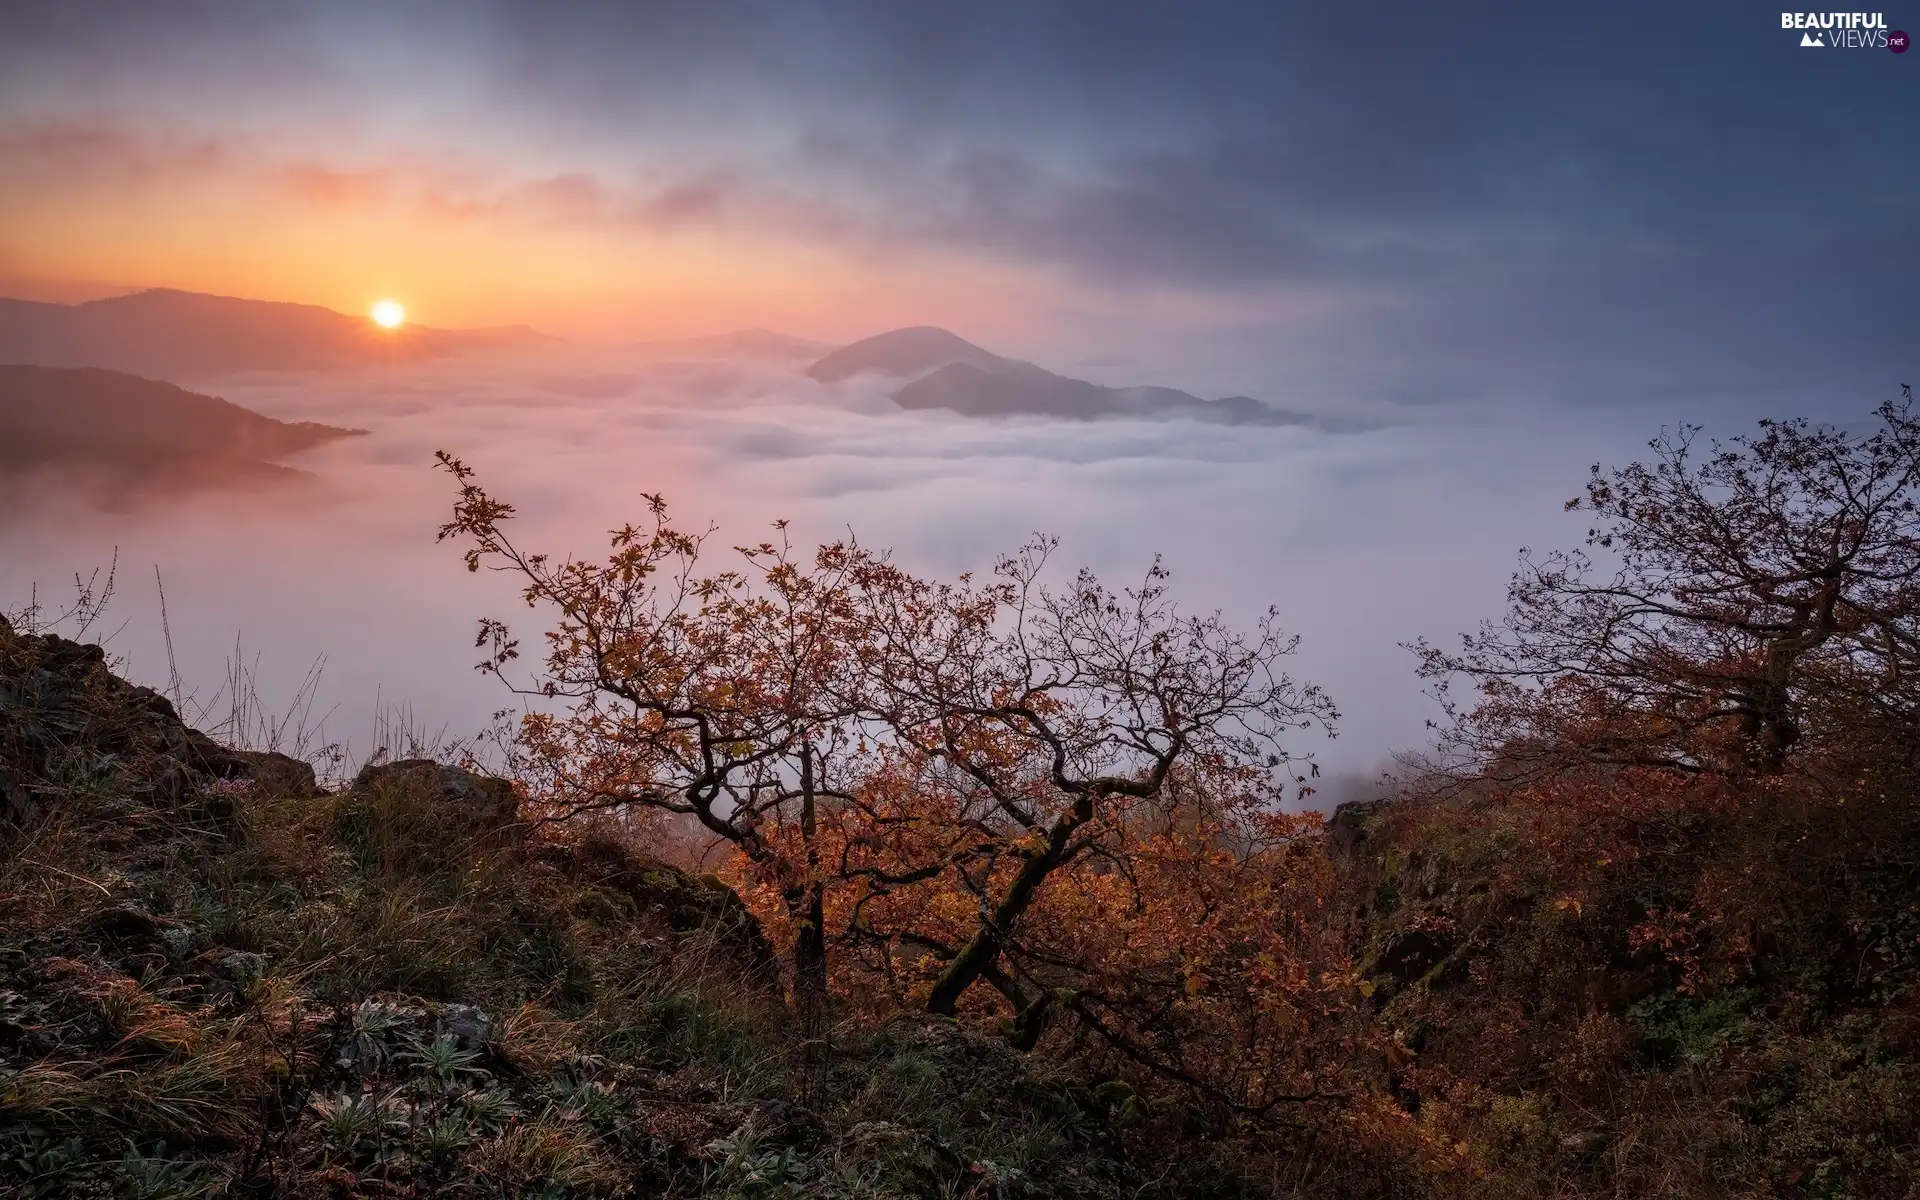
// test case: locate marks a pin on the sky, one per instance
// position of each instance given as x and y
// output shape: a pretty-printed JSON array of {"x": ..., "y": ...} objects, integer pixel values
[
  {"x": 1429, "y": 199},
  {"x": 1498, "y": 241}
]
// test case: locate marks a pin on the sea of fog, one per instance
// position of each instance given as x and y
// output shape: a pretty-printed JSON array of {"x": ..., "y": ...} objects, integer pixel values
[{"x": 1363, "y": 540}]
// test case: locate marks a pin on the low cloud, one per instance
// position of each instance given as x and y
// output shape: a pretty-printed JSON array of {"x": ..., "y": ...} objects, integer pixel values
[
  {"x": 1362, "y": 539},
  {"x": 105, "y": 152},
  {"x": 327, "y": 188}
]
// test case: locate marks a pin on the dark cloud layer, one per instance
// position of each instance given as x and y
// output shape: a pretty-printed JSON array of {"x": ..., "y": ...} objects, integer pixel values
[{"x": 1586, "y": 199}]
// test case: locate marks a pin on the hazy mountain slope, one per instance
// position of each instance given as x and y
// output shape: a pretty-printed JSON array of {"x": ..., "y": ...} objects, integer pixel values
[
  {"x": 1014, "y": 389},
  {"x": 138, "y": 429},
  {"x": 166, "y": 333},
  {"x": 1024, "y": 389},
  {"x": 911, "y": 351}
]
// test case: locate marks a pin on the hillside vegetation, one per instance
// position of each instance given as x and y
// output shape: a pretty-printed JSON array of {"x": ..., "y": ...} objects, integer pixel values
[{"x": 1005, "y": 902}]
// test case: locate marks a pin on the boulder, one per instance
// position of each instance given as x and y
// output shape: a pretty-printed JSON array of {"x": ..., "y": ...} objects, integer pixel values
[
  {"x": 268, "y": 770},
  {"x": 273, "y": 773},
  {"x": 467, "y": 1025},
  {"x": 680, "y": 900}
]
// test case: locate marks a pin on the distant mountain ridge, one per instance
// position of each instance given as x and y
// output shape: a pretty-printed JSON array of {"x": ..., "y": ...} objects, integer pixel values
[
  {"x": 164, "y": 333},
  {"x": 137, "y": 432},
  {"x": 949, "y": 372}
]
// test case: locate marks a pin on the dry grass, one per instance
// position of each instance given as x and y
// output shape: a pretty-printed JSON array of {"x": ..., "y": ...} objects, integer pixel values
[{"x": 215, "y": 988}]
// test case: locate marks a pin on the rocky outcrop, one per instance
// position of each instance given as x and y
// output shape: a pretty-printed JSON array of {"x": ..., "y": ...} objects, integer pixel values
[
  {"x": 682, "y": 901},
  {"x": 1349, "y": 826},
  {"x": 273, "y": 773},
  {"x": 476, "y": 805},
  {"x": 68, "y": 723}
]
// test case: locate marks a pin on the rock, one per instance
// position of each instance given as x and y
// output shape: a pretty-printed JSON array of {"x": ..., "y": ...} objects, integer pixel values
[
  {"x": 166, "y": 785},
  {"x": 269, "y": 771},
  {"x": 179, "y": 940},
  {"x": 279, "y": 775},
  {"x": 124, "y": 922},
  {"x": 244, "y": 968},
  {"x": 483, "y": 806},
  {"x": 57, "y": 693},
  {"x": 685, "y": 902},
  {"x": 1349, "y": 826},
  {"x": 471, "y": 1027}
]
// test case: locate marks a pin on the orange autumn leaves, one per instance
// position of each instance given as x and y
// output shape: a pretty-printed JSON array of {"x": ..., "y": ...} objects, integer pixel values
[
  {"x": 1055, "y": 803},
  {"x": 1051, "y": 801}
]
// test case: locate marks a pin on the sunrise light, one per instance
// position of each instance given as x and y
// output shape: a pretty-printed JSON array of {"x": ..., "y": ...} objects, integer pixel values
[{"x": 388, "y": 314}]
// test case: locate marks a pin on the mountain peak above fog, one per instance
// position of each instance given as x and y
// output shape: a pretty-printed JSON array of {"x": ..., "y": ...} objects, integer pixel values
[
  {"x": 910, "y": 351},
  {"x": 945, "y": 371}
]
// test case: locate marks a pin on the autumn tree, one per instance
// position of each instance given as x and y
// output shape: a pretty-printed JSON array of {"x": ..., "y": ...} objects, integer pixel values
[
  {"x": 1057, "y": 723},
  {"x": 1000, "y": 779},
  {"x": 1191, "y": 951},
  {"x": 1738, "y": 606},
  {"x": 730, "y": 698}
]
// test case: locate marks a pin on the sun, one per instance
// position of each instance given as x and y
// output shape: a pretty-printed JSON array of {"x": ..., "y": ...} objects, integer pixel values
[{"x": 388, "y": 314}]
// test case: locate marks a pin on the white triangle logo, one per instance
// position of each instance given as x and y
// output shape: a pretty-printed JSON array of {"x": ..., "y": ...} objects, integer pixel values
[{"x": 1808, "y": 39}]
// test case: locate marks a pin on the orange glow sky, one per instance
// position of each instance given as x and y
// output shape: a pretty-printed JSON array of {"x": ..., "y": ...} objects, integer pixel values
[{"x": 92, "y": 211}]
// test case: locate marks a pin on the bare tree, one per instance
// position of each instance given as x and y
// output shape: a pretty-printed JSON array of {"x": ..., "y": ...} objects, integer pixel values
[
  {"x": 853, "y": 730},
  {"x": 1734, "y": 606},
  {"x": 728, "y": 697},
  {"x": 1049, "y": 717}
]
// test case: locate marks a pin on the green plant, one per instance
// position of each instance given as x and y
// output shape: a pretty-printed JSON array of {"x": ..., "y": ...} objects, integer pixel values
[
  {"x": 1690, "y": 1029},
  {"x": 444, "y": 1138},
  {"x": 442, "y": 1059},
  {"x": 153, "y": 1177}
]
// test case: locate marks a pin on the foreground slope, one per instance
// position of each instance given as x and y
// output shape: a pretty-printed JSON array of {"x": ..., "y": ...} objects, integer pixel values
[
  {"x": 1623, "y": 991},
  {"x": 220, "y": 979}
]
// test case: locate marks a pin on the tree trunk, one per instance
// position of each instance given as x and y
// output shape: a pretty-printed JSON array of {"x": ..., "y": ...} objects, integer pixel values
[
  {"x": 807, "y": 904},
  {"x": 984, "y": 950},
  {"x": 811, "y": 995}
]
